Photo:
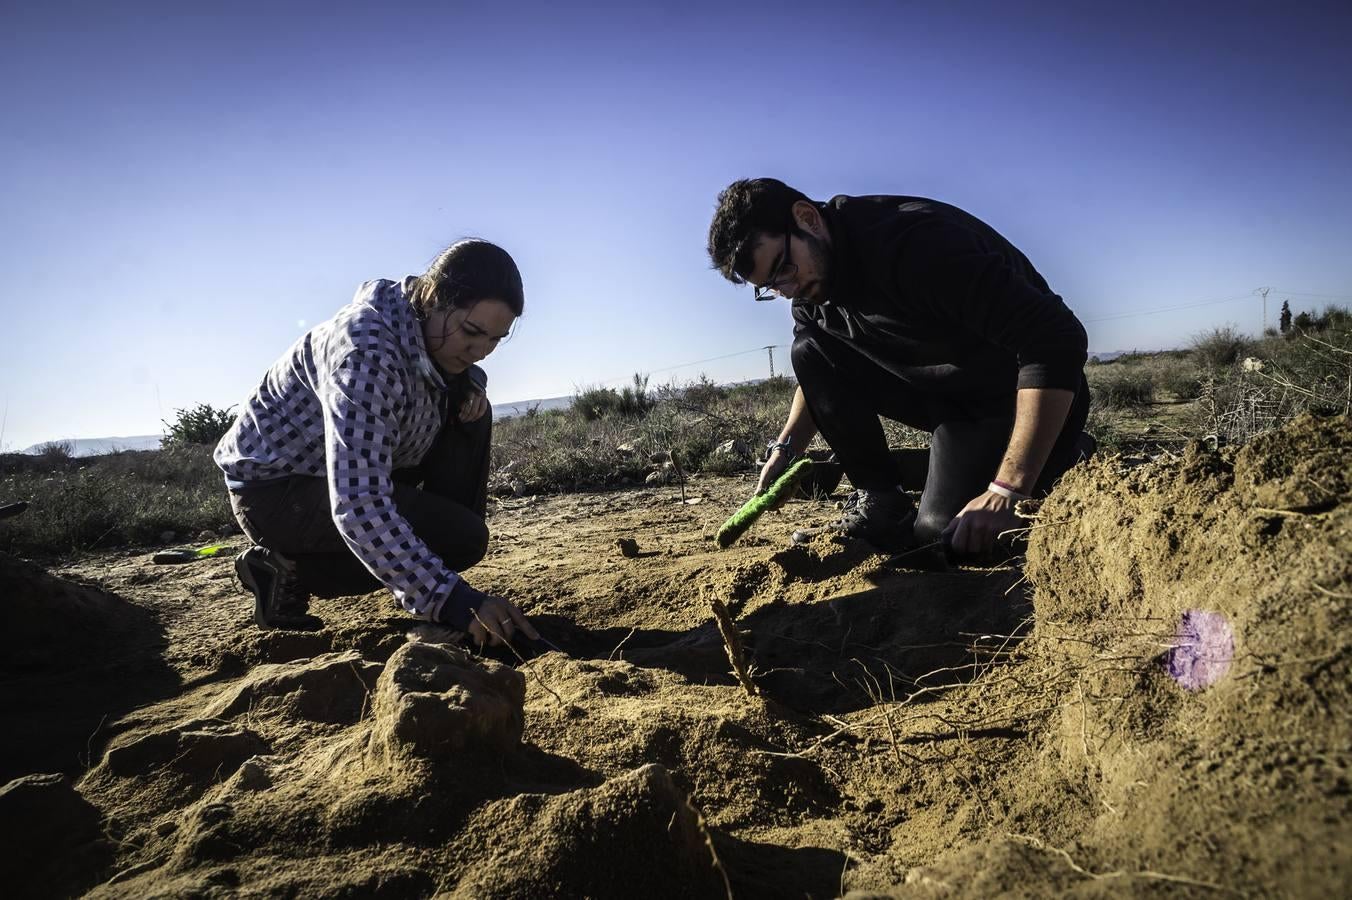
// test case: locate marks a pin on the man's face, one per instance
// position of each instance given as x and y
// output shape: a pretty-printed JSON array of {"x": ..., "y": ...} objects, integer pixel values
[{"x": 799, "y": 268}]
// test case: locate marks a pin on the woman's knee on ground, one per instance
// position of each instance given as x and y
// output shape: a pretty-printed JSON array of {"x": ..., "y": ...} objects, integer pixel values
[{"x": 463, "y": 546}]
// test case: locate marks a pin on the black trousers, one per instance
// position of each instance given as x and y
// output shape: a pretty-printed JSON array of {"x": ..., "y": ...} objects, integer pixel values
[
  {"x": 846, "y": 393},
  {"x": 443, "y": 498}
]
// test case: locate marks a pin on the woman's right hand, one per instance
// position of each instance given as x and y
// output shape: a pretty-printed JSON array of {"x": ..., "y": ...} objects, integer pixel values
[{"x": 496, "y": 620}]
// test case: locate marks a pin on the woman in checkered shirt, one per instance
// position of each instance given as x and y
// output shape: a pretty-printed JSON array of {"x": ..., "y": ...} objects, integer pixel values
[{"x": 362, "y": 457}]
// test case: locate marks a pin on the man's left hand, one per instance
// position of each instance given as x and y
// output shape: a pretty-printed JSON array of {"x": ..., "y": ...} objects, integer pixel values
[
  {"x": 974, "y": 530},
  {"x": 475, "y": 405}
]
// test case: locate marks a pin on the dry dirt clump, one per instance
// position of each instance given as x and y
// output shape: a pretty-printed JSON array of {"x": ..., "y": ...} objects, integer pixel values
[
  {"x": 1156, "y": 705},
  {"x": 1236, "y": 786}
]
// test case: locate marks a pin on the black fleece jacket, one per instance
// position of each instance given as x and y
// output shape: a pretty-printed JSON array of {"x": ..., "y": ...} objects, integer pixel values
[{"x": 940, "y": 299}]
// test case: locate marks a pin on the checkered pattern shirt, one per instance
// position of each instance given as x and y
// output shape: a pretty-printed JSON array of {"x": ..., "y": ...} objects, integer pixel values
[{"x": 352, "y": 400}]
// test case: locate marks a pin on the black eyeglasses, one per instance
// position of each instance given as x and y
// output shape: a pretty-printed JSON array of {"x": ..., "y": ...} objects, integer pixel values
[{"x": 781, "y": 275}]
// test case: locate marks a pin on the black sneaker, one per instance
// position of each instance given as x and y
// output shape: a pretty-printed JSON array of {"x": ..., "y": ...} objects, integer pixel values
[
  {"x": 279, "y": 599},
  {"x": 885, "y": 519}
]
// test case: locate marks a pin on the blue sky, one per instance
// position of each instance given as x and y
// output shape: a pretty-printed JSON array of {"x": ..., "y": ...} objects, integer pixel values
[{"x": 184, "y": 192}]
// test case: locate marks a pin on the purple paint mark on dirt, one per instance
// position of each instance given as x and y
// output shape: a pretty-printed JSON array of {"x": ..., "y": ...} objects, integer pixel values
[{"x": 1203, "y": 648}]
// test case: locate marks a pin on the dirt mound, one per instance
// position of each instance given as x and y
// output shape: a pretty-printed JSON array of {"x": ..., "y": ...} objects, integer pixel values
[
  {"x": 54, "y": 844},
  {"x": 50, "y": 622},
  {"x": 1192, "y": 651},
  {"x": 539, "y": 846},
  {"x": 1159, "y": 708}
]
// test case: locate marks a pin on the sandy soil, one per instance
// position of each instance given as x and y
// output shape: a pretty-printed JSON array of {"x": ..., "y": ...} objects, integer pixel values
[{"x": 1156, "y": 704}]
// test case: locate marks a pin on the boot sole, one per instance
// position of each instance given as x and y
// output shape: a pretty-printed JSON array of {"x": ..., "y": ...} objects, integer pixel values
[{"x": 259, "y": 608}]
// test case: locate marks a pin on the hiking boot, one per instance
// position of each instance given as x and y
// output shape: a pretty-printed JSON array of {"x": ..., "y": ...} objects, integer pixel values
[
  {"x": 279, "y": 599},
  {"x": 885, "y": 519}
]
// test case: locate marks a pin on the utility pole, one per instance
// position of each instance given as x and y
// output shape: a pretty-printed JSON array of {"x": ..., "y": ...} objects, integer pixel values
[
  {"x": 1264, "y": 292},
  {"x": 771, "y": 351}
]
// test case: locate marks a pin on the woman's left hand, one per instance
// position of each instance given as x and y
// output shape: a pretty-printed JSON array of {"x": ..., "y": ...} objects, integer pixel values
[{"x": 475, "y": 405}]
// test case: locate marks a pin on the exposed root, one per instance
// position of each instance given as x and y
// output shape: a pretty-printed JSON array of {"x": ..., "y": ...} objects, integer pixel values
[{"x": 1038, "y": 844}]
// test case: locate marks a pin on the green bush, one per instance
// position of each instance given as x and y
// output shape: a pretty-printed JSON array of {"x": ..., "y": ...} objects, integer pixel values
[
  {"x": 630, "y": 402},
  {"x": 592, "y": 403},
  {"x": 202, "y": 424}
]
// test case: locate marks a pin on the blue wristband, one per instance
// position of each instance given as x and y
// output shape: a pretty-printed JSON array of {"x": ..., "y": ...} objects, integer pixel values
[{"x": 461, "y": 605}]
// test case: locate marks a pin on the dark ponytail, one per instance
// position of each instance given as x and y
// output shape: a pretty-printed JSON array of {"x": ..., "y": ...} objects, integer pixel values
[{"x": 465, "y": 273}]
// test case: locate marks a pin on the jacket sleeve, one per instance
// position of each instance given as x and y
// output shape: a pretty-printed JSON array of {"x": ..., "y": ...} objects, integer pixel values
[
  {"x": 360, "y": 394},
  {"x": 954, "y": 273}
]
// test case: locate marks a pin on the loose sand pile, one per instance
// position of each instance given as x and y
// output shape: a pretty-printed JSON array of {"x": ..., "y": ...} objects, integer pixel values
[{"x": 1159, "y": 708}]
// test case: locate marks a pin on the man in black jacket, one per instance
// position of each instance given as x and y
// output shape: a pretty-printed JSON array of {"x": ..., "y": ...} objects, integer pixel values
[{"x": 914, "y": 310}]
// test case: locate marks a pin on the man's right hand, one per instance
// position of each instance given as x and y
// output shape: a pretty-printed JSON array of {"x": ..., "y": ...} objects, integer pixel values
[{"x": 776, "y": 465}]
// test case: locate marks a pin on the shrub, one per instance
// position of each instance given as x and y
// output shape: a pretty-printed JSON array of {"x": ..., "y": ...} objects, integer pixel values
[
  {"x": 202, "y": 424},
  {"x": 1220, "y": 348},
  {"x": 115, "y": 499},
  {"x": 1177, "y": 376},
  {"x": 1311, "y": 371},
  {"x": 631, "y": 401},
  {"x": 1121, "y": 385},
  {"x": 634, "y": 400},
  {"x": 55, "y": 451},
  {"x": 592, "y": 403}
]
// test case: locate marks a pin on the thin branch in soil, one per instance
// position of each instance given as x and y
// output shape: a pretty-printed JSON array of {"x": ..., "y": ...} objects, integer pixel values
[
  {"x": 521, "y": 659},
  {"x": 703, "y": 828},
  {"x": 89, "y": 743},
  {"x": 611, "y": 657},
  {"x": 732, "y": 641}
]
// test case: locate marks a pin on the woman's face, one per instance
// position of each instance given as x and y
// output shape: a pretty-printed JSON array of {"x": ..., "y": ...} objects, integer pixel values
[{"x": 458, "y": 338}]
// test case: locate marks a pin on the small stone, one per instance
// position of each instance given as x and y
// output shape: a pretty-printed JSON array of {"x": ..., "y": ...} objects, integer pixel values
[{"x": 628, "y": 547}]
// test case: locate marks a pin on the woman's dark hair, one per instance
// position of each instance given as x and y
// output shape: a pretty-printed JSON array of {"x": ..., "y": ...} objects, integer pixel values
[
  {"x": 465, "y": 273},
  {"x": 748, "y": 209}
]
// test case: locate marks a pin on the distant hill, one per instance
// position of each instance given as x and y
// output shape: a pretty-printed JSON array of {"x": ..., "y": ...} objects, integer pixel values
[
  {"x": 96, "y": 446},
  {"x": 521, "y": 407}
]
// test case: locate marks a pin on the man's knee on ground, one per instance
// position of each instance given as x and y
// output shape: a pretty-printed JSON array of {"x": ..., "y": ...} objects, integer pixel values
[{"x": 929, "y": 526}]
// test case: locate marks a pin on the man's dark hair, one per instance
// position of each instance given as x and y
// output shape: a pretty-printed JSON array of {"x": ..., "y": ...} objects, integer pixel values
[
  {"x": 747, "y": 210},
  {"x": 465, "y": 273}
]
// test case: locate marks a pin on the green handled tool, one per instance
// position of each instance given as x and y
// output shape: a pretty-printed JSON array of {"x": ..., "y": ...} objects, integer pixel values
[
  {"x": 187, "y": 556},
  {"x": 745, "y": 517}
]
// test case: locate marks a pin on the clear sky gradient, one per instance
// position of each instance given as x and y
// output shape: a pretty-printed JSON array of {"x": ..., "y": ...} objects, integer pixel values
[{"x": 185, "y": 192}]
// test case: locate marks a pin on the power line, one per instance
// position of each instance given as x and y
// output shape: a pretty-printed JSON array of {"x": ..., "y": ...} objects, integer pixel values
[
  {"x": 1311, "y": 294},
  {"x": 699, "y": 362},
  {"x": 1127, "y": 315},
  {"x": 1164, "y": 309}
]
